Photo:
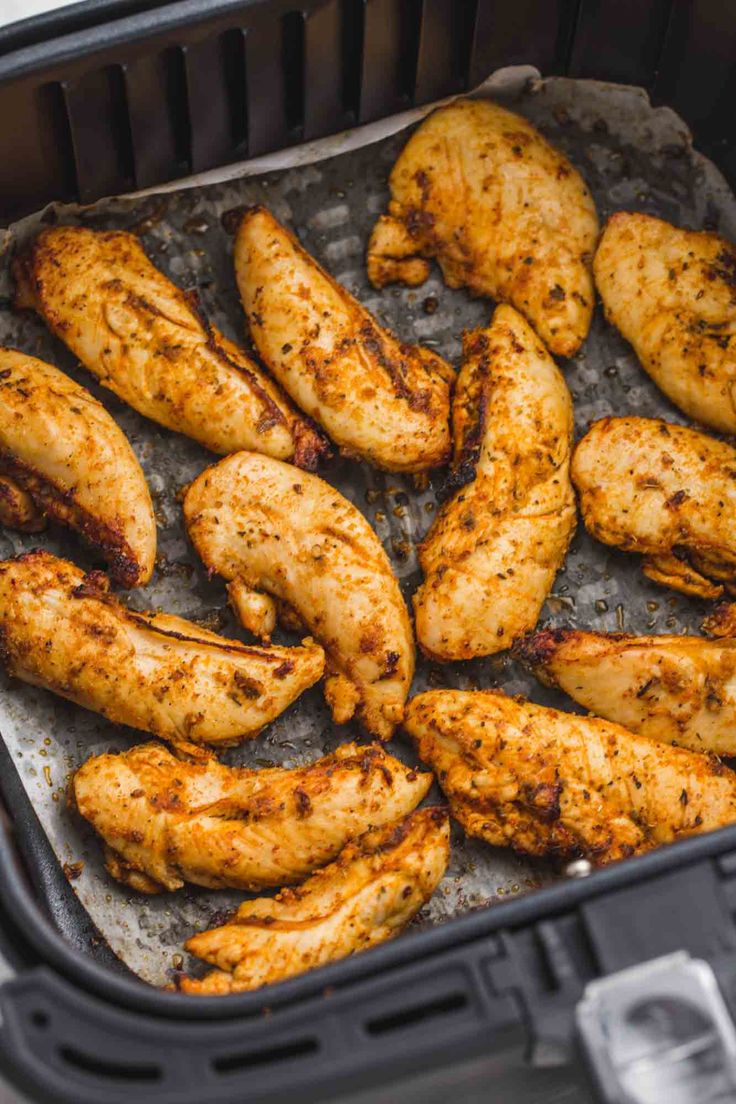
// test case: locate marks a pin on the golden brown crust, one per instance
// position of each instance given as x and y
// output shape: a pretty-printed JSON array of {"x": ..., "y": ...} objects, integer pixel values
[
  {"x": 62, "y": 630},
  {"x": 494, "y": 549},
  {"x": 557, "y": 784},
  {"x": 503, "y": 213},
  {"x": 149, "y": 342},
  {"x": 665, "y": 491},
  {"x": 166, "y": 821},
  {"x": 60, "y": 446},
  {"x": 677, "y": 689},
  {"x": 377, "y": 398},
  {"x": 296, "y": 538},
  {"x": 368, "y": 895},
  {"x": 672, "y": 294},
  {"x": 17, "y": 508}
]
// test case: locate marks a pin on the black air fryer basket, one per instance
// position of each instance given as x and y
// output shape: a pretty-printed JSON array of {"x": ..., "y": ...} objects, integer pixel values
[{"x": 110, "y": 96}]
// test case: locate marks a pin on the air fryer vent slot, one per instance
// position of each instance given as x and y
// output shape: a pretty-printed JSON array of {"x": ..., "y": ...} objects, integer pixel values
[
  {"x": 112, "y": 1071},
  {"x": 232, "y": 43},
  {"x": 177, "y": 101},
  {"x": 292, "y": 47},
  {"x": 99, "y": 125},
  {"x": 410, "y": 31},
  {"x": 60, "y": 150},
  {"x": 465, "y": 14},
  {"x": 352, "y": 28},
  {"x": 416, "y": 1014},
  {"x": 235, "y": 1063}
]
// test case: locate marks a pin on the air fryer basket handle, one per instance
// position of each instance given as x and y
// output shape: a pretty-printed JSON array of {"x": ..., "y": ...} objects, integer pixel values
[
  {"x": 60, "y": 1044},
  {"x": 516, "y": 991}
]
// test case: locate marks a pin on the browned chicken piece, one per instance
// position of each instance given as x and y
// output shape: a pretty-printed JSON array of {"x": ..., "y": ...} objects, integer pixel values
[
  {"x": 367, "y": 896},
  {"x": 672, "y": 294},
  {"x": 377, "y": 398},
  {"x": 492, "y": 554},
  {"x": 63, "y": 457},
  {"x": 677, "y": 689},
  {"x": 62, "y": 630},
  {"x": 503, "y": 213},
  {"x": 166, "y": 821},
  {"x": 17, "y": 508},
  {"x": 279, "y": 534},
  {"x": 665, "y": 491},
  {"x": 557, "y": 784},
  {"x": 148, "y": 341}
]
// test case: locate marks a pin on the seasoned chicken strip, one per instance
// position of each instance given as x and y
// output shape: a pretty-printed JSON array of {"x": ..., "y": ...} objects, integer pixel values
[
  {"x": 147, "y": 341},
  {"x": 63, "y": 451},
  {"x": 665, "y": 491},
  {"x": 275, "y": 531},
  {"x": 376, "y": 398},
  {"x": 551, "y": 783},
  {"x": 166, "y": 821},
  {"x": 17, "y": 508},
  {"x": 502, "y": 212},
  {"x": 493, "y": 551},
  {"x": 677, "y": 689},
  {"x": 672, "y": 294},
  {"x": 62, "y": 630},
  {"x": 367, "y": 896}
]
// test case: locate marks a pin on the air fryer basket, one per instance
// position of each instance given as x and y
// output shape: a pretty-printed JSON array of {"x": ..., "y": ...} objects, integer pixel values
[{"x": 131, "y": 102}]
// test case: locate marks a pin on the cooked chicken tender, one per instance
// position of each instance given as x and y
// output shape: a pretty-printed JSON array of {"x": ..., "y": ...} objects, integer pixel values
[
  {"x": 275, "y": 531},
  {"x": 552, "y": 783},
  {"x": 672, "y": 294},
  {"x": 166, "y": 821},
  {"x": 503, "y": 213},
  {"x": 367, "y": 896},
  {"x": 67, "y": 460},
  {"x": 493, "y": 551},
  {"x": 148, "y": 341},
  {"x": 678, "y": 689},
  {"x": 63, "y": 630},
  {"x": 664, "y": 491},
  {"x": 377, "y": 398}
]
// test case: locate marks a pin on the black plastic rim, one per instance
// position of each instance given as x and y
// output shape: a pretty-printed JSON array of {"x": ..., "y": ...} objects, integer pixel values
[
  {"x": 126, "y": 19},
  {"x": 68, "y": 20}
]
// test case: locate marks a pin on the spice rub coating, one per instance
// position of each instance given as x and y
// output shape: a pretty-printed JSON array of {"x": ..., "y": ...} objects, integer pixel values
[
  {"x": 17, "y": 508},
  {"x": 377, "y": 398},
  {"x": 149, "y": 342},
  {"x": 672, "y": 294},
  {"x": 63, "y": 457},
  {"x": 368, "y": 895},
  {"x": 665, "y": 491},
  {"x": 678, "y": 689},
  {"x": 62, "y": 630},
  {"x": 504, "y": 214},
  {"x": 492, "y": 554},
  {"x": 166, "y": 821},
  {"x": 561, "y": 785},
  {"x": 279, "y": 534}
]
